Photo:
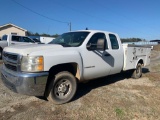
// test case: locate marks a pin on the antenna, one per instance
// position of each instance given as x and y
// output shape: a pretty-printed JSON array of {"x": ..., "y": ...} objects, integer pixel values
[{"x": 70, "y": 26}]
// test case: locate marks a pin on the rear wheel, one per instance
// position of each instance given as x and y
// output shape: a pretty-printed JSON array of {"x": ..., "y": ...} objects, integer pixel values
[
  {"x": 137, "y": 73},
  {"x": 63, "y": 89}
]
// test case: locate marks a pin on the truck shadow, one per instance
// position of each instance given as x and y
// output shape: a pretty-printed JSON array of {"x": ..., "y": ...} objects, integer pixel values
[
  {"x": 85, "y": 88},
  {"x": 145, "y": 70},
  {"x": 107, "y": 57}
]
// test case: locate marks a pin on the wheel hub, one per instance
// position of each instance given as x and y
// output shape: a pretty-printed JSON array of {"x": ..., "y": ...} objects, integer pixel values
[{"x": 62, "y": 88}]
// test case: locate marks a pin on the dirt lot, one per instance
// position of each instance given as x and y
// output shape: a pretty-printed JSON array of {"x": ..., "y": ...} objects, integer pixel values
[{"x": 112, "y": 98}]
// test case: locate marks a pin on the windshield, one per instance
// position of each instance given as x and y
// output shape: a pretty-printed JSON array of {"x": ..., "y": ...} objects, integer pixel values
[{"x": 71, "y": 39}]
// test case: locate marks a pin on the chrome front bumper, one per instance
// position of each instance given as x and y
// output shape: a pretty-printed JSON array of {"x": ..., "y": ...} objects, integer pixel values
[{"x": 33, "y": 84}]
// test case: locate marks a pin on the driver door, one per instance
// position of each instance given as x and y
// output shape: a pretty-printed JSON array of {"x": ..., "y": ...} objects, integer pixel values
[{"x": 96, "y": 63}]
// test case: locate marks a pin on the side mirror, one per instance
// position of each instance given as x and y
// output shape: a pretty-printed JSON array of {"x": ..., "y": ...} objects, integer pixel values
[{"x": 101, "y": 44}]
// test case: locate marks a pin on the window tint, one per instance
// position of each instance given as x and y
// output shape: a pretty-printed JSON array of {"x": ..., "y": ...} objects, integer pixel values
[
  {"x": 94, "y": 39},
  {"x": 114, "y": 41},
  {"x": 4, "y": 37},
  {"x": 16, "y": 38},
  {"x": 26, "y": 39}
]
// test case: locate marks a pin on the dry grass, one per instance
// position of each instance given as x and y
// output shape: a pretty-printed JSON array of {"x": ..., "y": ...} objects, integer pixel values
[
  {"x": 111, "y": 98},
  {"x": 153, "y": 76},
  {"x": 156, "y": 47}
]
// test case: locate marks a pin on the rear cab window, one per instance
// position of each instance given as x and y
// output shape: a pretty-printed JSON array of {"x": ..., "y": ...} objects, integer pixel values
[{"x": 114, "y": 41}]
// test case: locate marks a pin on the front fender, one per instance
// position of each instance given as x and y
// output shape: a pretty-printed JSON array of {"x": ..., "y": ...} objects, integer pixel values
[{"x": 62, "y": 57}]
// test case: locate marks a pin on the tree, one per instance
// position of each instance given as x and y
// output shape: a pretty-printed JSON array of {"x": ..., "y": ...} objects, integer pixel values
[
  {"x": 36, "y": 34},
  {"x": 29, "y": 33},
  {"x": 56, "y": 35}
]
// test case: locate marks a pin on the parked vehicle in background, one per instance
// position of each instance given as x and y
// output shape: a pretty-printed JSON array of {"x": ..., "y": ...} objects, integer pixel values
[
  {"x": 8, "y": 40},
  {"x": 46, "y": 40},
  {"x": 53, "y": 70},
  {"x": 40, "y": 39}
]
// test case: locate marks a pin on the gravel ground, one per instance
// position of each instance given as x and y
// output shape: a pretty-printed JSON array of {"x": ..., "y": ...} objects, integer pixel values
[{"x": 114, "y": 98}]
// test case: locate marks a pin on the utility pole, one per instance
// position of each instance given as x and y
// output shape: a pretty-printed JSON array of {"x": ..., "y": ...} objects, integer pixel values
[{"x": 70, "y": 26}]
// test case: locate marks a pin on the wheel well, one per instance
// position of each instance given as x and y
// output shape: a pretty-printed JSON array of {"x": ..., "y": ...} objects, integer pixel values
[
  {"x": 141, "y": 62},
  {"x": 70, "y": 67}
]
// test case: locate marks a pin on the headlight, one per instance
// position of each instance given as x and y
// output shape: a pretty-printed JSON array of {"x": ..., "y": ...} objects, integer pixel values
[{"x": 32, "y": 63}]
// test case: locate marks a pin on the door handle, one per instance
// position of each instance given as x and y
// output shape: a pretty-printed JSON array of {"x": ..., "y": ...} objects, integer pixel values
[
  {"x": 107, "y": 55},
  {"x": 13, "y": 43}
]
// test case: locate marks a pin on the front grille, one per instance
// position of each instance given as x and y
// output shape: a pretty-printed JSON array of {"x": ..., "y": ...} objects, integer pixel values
[
  {"x": 10, "y": 61},
  {"x": 11, "y": 67},
  {"x": 10, "y": 56}
]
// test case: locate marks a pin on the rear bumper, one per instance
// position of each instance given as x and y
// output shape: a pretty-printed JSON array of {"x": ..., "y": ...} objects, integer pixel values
[{"x": 33, "y": 84}]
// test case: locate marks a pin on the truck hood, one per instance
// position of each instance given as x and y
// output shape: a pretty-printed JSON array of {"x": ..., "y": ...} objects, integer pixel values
[{"x": 27, "y": 49}]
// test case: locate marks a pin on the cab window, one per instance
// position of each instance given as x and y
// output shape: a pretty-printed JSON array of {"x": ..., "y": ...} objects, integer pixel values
[
  {"x": 26, "y": 39},
  {"x": 114, "y": 41},
  {"x": 16, "y": 38},
  {"x": 94, "y": 39}
]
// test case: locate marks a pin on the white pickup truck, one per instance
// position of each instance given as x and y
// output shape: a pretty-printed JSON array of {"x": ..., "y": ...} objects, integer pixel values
[
  {"x": 8, "y": 40},
  {"x": 53, "y": 70}
]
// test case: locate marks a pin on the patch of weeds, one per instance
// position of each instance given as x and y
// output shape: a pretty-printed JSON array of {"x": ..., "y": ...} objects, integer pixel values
[
  {"x": 156, "y": 47},
  {"x": 156, "y": 67},
  {"x": 153, "y": 76},
  {"x": 119, "y": 113}
]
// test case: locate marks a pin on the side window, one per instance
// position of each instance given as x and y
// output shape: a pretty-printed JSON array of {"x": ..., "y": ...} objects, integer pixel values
[
  {"x": 114, "y": 41},
  {"x": 16, "y": 38},
  {"x": 26, "y": 39},
  {"x": 4, "y": 37},
  {"x": 93, "y": 40}
]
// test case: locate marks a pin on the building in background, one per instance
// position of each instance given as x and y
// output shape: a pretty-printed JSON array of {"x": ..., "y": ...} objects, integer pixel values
[{"x": 12, "y": 29}]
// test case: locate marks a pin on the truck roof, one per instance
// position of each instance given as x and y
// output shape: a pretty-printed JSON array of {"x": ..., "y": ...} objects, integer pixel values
[{"x": 94, "y": 31}]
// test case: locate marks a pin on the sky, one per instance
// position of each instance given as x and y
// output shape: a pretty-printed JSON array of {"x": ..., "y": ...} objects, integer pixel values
[{"x": 128, "y": 18}]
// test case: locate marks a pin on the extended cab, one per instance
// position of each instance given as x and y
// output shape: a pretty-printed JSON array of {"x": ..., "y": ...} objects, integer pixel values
[
  {"x": 8, "y": 40},
  {"x": 53, "y": 70}
]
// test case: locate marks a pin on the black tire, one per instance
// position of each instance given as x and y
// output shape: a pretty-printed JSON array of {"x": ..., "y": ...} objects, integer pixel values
[
  {"x": 63, "y": 89},
  {"x": 1, "y": 53},
  {"x": 137, "y": 73}
]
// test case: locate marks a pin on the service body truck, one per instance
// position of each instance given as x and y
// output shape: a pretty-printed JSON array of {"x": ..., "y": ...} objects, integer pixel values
[{"x": 53, "y": 70}]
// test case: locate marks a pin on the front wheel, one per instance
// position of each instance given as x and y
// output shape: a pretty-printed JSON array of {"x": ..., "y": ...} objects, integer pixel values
[
  {"x": 137, "y": 73},
  {"x": 63, "y": 89}
]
